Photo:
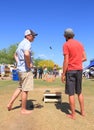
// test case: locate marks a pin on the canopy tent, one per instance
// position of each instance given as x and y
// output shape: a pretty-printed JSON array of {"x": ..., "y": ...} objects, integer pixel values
[{"x": 91, "y": 64}]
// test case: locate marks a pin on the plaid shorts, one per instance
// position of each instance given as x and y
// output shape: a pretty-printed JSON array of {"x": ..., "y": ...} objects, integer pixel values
[
  {"x": 26, "y": 81},
  {"x": 73, "y": 82}
]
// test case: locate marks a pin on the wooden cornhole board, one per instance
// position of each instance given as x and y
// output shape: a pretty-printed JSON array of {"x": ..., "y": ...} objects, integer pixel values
[{"x": 53, "y": 97}]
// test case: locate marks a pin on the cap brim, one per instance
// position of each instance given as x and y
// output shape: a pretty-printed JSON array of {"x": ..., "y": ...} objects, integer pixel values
[{"x": 35, "y": 34}]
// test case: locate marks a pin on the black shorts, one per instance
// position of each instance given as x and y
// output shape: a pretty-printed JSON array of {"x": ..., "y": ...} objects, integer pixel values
[{"x": 73, "y": 82}]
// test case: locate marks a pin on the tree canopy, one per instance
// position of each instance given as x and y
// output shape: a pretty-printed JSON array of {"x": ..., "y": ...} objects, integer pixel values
[{"x": 7, "y": 55}]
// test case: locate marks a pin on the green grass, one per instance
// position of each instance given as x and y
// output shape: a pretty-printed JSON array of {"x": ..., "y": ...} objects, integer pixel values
[
  {"x": 88, "y": 86},
  {"x": 37, "y": 83},
  {"x": 4, "y": 83},
  {"x": 8, "y": 85},
  {"x": 42, "y": 83}
]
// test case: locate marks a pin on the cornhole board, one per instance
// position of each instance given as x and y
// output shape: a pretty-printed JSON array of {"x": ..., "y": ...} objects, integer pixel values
[{"x": 52, "y": 97}]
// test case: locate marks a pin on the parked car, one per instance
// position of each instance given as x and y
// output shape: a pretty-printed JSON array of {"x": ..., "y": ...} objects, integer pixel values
[{"x": 91, "y": 71}]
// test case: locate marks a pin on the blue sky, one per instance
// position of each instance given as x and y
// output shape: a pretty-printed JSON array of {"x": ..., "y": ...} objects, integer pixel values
[{"x": 49, "y": 18}]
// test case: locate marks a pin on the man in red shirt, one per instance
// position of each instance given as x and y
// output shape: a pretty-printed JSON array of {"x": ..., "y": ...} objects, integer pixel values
[{"x": 74, "y": 55}]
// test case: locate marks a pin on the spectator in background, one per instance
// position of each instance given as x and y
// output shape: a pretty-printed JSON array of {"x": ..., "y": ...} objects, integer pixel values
[
  {"x": 45, "y": 73},
  {"x": 40, "y": 72},
  {"x": 55, "y": 70},
  {"x": 35, "y": 72},
  {"x": 2, "y": 71}
]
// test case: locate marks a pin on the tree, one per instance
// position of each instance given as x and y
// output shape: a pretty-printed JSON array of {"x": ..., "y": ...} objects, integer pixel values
[
  {"x": 7, "y": 55},
  {"x": 10, "y": 53},
  {"x": 42, "y": 62},
  {"x": 36, "y": 61},
  {"x": 3, "y": 55},
  {"x": 48, "y": 63}
]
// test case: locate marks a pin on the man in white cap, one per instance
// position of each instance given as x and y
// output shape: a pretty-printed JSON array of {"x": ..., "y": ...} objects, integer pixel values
[
  {"x": 24, "y": 65},
  {"x": 74, "y": 55}
]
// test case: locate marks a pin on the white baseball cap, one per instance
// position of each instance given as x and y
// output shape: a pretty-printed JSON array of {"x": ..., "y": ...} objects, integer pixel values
[{"x": 30, "y": 32}]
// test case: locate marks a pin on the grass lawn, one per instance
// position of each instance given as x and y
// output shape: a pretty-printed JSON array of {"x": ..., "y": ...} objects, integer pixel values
[{"x": 45, "y": 116}]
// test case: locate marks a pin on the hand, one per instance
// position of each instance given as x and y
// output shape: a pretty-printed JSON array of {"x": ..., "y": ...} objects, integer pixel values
[
  {"x": 63, "y": 78},
  {"x": 31, "y": 65}
]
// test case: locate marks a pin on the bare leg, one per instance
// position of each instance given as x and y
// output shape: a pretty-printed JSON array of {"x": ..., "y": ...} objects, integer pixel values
[
  {"x": 81, "y": 102},
  {"x": 72, "y": 105},
  {"x": 2, "y": 76},
  {"x": 24, "y": 99},
  {"x": 15, "y": 95}
]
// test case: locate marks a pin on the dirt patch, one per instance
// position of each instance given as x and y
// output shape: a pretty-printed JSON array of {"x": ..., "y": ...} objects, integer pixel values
[{"x": 45, "y": 116}]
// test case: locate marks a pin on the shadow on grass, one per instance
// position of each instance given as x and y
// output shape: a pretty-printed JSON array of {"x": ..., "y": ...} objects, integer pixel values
[
  {"x": 16, "y": 107},
  {"x": 29, "y": 105},
  {"x": 65, "y": 107}
]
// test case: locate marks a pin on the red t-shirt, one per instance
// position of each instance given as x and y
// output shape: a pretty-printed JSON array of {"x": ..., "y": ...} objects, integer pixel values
[{"x": 74, "y": 50}]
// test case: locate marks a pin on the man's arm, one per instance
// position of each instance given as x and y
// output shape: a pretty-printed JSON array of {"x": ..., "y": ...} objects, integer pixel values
[
  {"x": 65, "y": 66},
  {"x": 28, "y": 59},
  {"x": 84, "y": 57},
  {"x": 16, "y": 57}
]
